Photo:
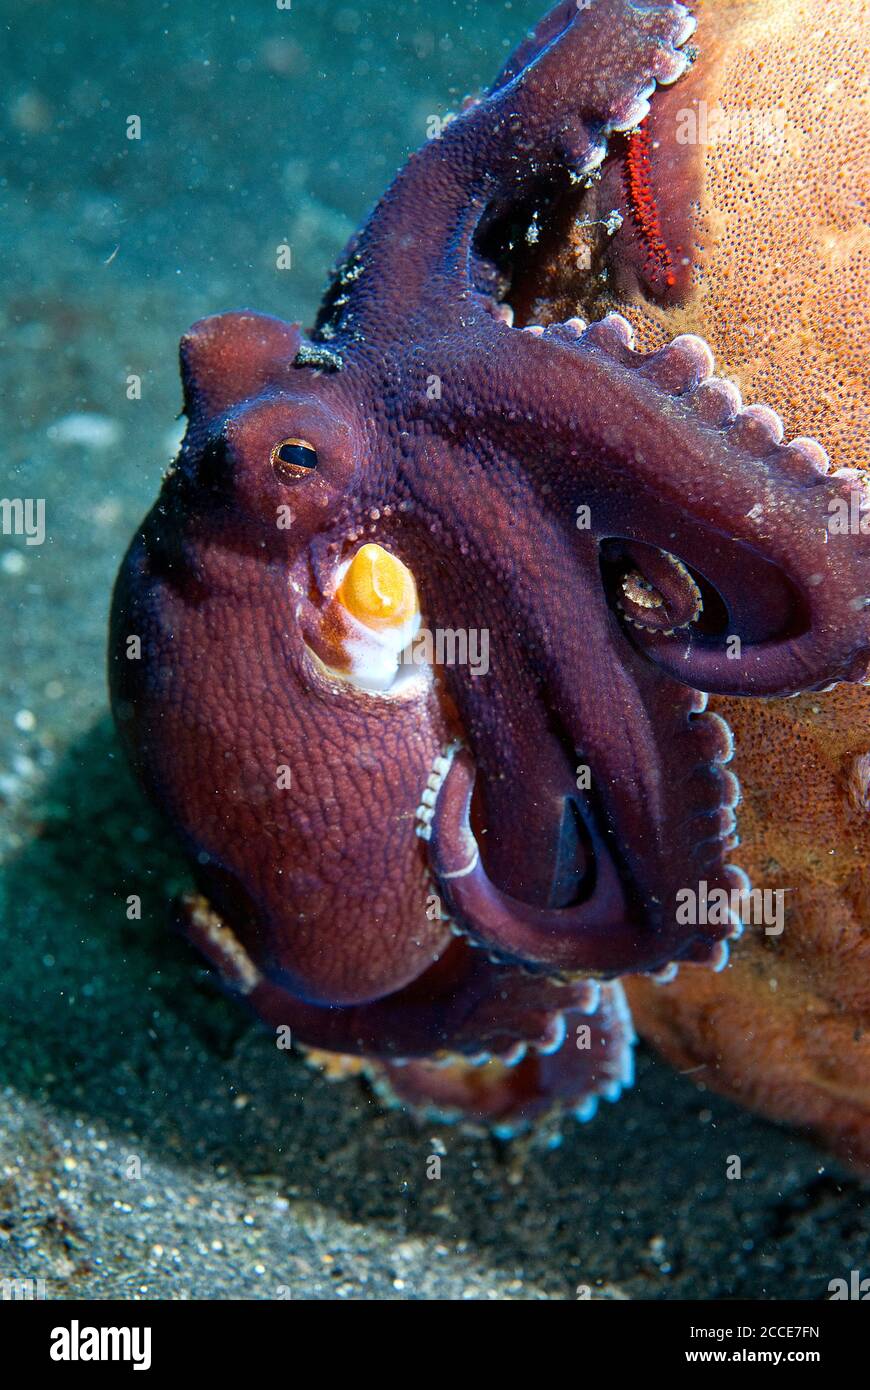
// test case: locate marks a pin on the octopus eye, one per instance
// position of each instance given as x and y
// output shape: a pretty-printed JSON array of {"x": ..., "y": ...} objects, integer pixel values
[{"x": 293, "y": 459}]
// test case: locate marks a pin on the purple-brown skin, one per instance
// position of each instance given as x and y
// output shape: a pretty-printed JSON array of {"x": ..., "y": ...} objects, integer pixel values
[{"x": 315, "y": 901}]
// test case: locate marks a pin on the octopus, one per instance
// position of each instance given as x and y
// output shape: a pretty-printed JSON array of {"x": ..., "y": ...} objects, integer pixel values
[{"x": 416, "y": 648}]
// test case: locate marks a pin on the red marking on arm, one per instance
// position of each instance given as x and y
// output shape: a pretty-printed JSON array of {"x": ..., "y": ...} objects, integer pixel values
[{"x": 643, "y": 207}]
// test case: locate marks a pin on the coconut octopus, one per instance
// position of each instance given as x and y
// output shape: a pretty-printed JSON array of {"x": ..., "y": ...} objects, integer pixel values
[{"x": 414, "y": 649}]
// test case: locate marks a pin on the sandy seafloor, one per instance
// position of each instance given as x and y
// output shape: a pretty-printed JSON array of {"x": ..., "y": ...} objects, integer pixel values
[{"x": 259, "y": 1179}]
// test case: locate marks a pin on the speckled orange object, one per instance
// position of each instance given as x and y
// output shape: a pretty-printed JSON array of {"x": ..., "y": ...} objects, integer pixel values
[
  {"x": 767, "y": 139},
  {"x": 782, "y": 297},
  {"x": 785, "y": 1028}
]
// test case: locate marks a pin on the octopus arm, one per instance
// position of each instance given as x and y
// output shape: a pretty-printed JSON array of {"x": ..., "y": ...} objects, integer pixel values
[
  {"x": 768, "y": 588},
  {"x": 582, "y": 75}
]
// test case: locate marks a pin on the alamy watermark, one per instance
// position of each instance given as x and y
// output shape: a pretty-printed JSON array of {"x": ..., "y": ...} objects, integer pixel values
[
  {"x": 718, "y": 907},
  {"x": 448, "y": 646},
  {"x": 850, "y": 516},
  {"x": 23, "y": 516},
  {"x": 22, "y": 1290},
  {"x": 702, "y": 124},
  {"x": 853, "y": 1288},
  {"x": 77, "y": 1343}
]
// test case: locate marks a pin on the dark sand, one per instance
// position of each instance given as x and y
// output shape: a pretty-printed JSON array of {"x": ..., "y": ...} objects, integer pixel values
[{"x": 258, "y": 1178}]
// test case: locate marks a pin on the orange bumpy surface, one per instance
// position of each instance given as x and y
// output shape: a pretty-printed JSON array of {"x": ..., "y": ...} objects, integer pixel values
[
  {"x": 780, "y": 90},
  {"x": 782, "y": 298}
]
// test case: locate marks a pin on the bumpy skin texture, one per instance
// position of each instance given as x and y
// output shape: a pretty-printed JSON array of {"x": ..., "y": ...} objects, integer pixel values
[
  {"x": 782, "y": 238},
  {"x": 612, "y": 519},
  {"x": 786, "y": 1028}
]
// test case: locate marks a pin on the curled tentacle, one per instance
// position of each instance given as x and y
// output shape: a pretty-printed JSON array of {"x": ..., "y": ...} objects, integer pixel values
[
  {"x": 464, "y": 1004},
  {"x": 773, "y": 540},
  {"x": 658, "y": 593},
  {"x": 617, "y": 927},
  {"x": 589, "y": 1059}
]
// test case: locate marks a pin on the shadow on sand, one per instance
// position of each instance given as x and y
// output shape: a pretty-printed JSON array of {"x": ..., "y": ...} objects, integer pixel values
[{"x": 116, "y": 1021}]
